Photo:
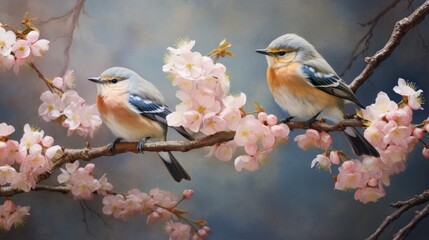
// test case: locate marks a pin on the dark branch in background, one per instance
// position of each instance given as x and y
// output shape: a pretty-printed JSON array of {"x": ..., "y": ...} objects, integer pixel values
[
  {"x": 402, "y": 207},
  {"x": 74, "y": 13},
  {"x": 400, "y": 29},
  {"x": 362, "y": 45}
]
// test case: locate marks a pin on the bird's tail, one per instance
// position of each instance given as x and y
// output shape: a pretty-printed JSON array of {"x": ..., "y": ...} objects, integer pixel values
[
  {"x": 173, "y": 166},
  {"x": 184, "y": 133},
  {"x": 359, "y": 144}
]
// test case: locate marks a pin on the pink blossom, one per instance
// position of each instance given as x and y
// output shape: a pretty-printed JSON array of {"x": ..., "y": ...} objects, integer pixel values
[
  {"x": 213, "y": 123},
  {"x": 223, "y": 151},
  {"x": 246, "y": 162},
  {"x": 351, "y": 175},
  {"x": 6, "y": 130},
  {"x": 280, "y": 131},
  {"x": 50, "y": 109},
  {"x": 232, "y": 117},
  {"x": 71, "y": 97},
  {"x": 12, "y": 215},
  {"x": 7, "y": 173},
  {"x": 418, "y": 133},
  {"x": 30, "y": 138},
  {"x": 183, "y": 47},
  {"x": 425, "y": 152},
  {"x": 271, "y": 120},
  {"x": 380, "y": 108},
  {"x": 192, "y": 120},
  {"x": 334, "y": 157},
  {"x": 12, "y": 153},
  {"x": 7, "y": 39},
  {"x": 22, "y": 182},
  {"x": 89, "y": 120},
  {"x": 309, "y": 139},
  {"x": 397, "y": 135},
  {"x": 8, "y": 61},
  {"x": 393, "y": 154},
  {"x": 113, "y": 205},
  {"x": 188, "y": 193},
  {"x": 369, "y": 194},
  {"x": 21, "y": 48},
  {"x": 402, "y": 116},
  {"x": 322, "y": 162},
  {"x": 38, "y": 47},
  {"x": 375, "y": 135},
  {"x": 105, "y": 186},
  {"x": 178, "y": 230},
  {"x": 408, "y": 90},
  {"x": 73, "y": 116}
]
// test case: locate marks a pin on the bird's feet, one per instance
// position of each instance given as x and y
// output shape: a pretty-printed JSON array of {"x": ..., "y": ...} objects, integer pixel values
[
  {"x": 140, "y": 145},
  {"x": 308, "y": 123},
  {"x": 286, "y": 120},
  {"x": 112, "y": 145}
]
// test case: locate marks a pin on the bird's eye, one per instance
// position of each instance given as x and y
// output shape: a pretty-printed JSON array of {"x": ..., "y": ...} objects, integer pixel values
[
  {"x": 114, "y": 81},
  {"x": 281, "y": 53}
]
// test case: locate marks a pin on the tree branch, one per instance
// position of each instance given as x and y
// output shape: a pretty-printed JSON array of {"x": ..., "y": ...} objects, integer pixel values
[
  {"x": 402, "y": 206},
  {"x": 403, "y": 233},
  {"x": 400, "y": 29}
]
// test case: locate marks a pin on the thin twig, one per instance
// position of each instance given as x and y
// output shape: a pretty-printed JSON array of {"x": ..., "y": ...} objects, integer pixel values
[
  {"x": 399, "y": 31},
  {"x": 366, "y": 38},
  {"x": 403, "y": 233},
  {"x": 402, "y": 206}
]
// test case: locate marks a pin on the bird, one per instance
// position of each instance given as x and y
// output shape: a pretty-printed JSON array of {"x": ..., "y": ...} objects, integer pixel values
[
  {"x": 307, "y": 87},
  {"x": 135, "y": 111}
]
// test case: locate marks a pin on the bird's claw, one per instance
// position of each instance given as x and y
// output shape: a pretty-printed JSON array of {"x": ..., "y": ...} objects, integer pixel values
[
  {"x": 140, "y": 145},
  {"x": 286, "y": 120},
  {"x": 308, "y": 123},
  {"x": 112, "y": 145}
]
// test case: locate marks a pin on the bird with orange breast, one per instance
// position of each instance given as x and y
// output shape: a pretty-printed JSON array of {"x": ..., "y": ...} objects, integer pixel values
[
  {"x": 135, "y": 111},
  {"x": 307, "y": 87}
]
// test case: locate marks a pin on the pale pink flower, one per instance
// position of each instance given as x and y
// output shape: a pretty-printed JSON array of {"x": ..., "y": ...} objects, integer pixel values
[
  {"x": 234, "y": 101},
  {"x": 321, "y": 162},
  {"x": 188, "y": 193},
  {"x": 176, "y": 119},
  {"x": 418, "y": 133},
  {"x": 89, "y": 120},
  {"x": 325, "y": 140},
  {"x": 21, "y": 48},
  {"x": 213, "y": 123},
  {"x": 183, "y": 47},
  {"x": 58, "y": 82},
  {"x": 22, "y": 182},
  {"x": 105, "y": 186},
  {"x": 52, "y": 151},
  {"x": 71, "y": 97},
  {"x": 113, "y": 204},
  {"x": 408, "y": 90},
  {"x": 7, "y": 173},
  {"x": 397, "y": 135},
  {"x": 425, "y": 152},
  {"x": 334, "y": 157},
  {"x": 12, "y": 215},
  {"x": 30, "y": 138},
  {"x": 178, "y": 230},
  {"x": 393, "y": 154},
  {"x": 375, "y": 135},
  {"x": 50, "y": 109},
  {"x": 188, "y": 65},
  {"x": 223, "y": 151},
  {"x": 7, "y": 39},
  {"x": 232, "y": 117},
  {"x": 82, "y": 185},
  {"x": 6, "y": 130},
  {"x": 369, "y": 194},
  {"x": 192, "y": 120},
  {"x": 351, "y": 175},
  {"x": 309, "y": 139},
  {"x": 280, "y": 131},
  {"x": 271, "y": 120},
  {"x": 11, "y": 153},
  {"x": 402, "y": 116},
  {"x": 8, "y": 61},
  {"x": 247, "y": 162},
  {"x": 73, "y": 116},
  {"x": 380, "y": 108},
  {"x": 38, "y": 47}
]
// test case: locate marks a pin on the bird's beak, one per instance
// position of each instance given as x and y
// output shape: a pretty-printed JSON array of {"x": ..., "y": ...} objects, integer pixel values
[
  {"x": 264, "y": 52},
  {"x": 95, "y": 79}
]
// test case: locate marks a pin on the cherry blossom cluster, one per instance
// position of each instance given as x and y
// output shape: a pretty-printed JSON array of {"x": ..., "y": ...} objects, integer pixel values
[
  {"x": 157, "y": 205},
  {"x": 313, "y": 138},
  {"x": 12, "y": 215},
  {"x": 81, "y": 182},
  {"x": 207, "y": 107},
  {"x": 22, "y": 162},
  {"x": 68, "y": 108},
  {"x": 16, "y": 50},
  {"x": 391, "y": 132}
]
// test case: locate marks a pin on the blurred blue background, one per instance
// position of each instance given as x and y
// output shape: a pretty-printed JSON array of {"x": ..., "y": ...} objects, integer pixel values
[{"x": 285, "y": 199}]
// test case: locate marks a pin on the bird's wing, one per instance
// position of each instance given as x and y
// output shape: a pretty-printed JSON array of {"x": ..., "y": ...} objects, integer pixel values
[
  {"x": 154, "y": 111},
  {"x": 329, "y": 83}
]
